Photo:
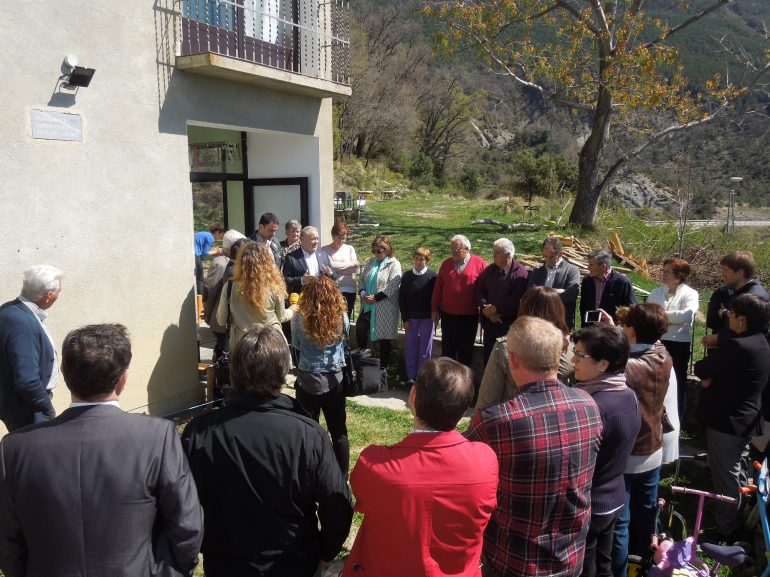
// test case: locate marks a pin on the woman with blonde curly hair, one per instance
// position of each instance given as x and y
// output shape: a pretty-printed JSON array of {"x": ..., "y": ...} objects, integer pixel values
[
  {"x": 318, "y": 334},
  {"x": 257, "y": 295}
]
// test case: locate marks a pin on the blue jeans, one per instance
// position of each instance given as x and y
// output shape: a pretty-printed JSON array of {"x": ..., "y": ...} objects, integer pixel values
[{"x": 636, "y": 523}]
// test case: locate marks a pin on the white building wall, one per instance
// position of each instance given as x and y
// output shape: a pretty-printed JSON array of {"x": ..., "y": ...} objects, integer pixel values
[{"x": 114, "y": 211}]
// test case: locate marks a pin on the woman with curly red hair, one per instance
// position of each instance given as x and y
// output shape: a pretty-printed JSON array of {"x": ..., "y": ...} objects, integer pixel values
[
  {"x": 258, "y": 294},
  {"x": 318, "y": 334}
]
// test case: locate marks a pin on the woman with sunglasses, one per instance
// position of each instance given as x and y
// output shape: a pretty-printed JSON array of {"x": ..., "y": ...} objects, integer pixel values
[{"x": 378, "y": 286}]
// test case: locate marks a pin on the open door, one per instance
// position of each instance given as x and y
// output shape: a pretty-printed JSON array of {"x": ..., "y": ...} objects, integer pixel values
[{"x": 286, "y": 198}]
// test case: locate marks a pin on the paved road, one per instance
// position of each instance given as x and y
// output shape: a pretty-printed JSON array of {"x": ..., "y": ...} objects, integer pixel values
[{"x": 704, "y": 223}]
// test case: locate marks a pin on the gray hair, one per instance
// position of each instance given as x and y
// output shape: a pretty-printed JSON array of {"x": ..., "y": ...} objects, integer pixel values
[
  {"x": 601, "y": 256},
  {"x": 230, "y": 237},
  {"x": 505, "y": 245},
  {"x": 39, "y": 280},
  {"x": 307, "y": 230},
  {"x": 292, "y": 224},
  {"x": 463, "y": 239},
  {"x": 555, "y": 243}
]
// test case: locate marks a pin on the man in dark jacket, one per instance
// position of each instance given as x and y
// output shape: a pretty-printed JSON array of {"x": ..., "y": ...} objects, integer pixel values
[
  {"x": 604, "y": 288},
  {"x": 498, "y": 291},
  {"x": 97, "y": 491},
  {"x": 28, "y": 367},
  {"x": 558, "y": 274},
  {"x": 738, "y": 272},
  {"x": 266, "y": 473},
  {"x": 306, "y": 262},
  {"x": 734, "y": 377}
]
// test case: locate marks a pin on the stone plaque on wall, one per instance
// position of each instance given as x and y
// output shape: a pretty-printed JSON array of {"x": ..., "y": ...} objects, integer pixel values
[{"x": 50, "y": 125}]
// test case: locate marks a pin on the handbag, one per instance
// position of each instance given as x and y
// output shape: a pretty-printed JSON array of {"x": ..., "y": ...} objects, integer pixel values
[
  {"x": 374, "y": 378},
  {"x": 222, "y": 361},
  {"x": 362, "y": 374}
]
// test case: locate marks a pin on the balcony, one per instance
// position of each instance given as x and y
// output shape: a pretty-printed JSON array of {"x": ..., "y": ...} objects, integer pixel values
[{"x": 301, "y": 46}]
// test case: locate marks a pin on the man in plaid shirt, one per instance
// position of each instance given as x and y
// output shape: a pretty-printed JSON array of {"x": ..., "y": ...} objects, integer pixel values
[{"x": 546, "y": 439}]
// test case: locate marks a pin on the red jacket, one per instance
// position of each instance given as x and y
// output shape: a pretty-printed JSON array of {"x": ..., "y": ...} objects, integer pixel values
[
  {"x": 426, "y": 502},
  {"x": 454, "y": 293}
]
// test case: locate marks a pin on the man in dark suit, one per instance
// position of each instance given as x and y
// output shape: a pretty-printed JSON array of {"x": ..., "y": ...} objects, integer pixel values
[
  {"x": 97, "y": 491},
  {"x": 558, "y": 274},
  {"x": 604, "y": 288},
  {"x": 306, "y": 262},
  {"x": 28, "y": 368}
]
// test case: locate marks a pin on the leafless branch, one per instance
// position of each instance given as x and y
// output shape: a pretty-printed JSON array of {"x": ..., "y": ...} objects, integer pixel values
[
  {"x": 666, "y": 132},
  {"x": 692, "y": 19}
]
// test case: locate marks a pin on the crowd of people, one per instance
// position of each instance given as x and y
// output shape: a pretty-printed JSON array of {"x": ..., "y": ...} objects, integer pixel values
[{"x": 557, "y": 473}]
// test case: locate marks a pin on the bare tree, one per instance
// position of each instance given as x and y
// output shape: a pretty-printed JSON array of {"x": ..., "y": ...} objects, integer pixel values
[
  {"x": 387, "y": 56},
  {"x": 445, "y": 111}
]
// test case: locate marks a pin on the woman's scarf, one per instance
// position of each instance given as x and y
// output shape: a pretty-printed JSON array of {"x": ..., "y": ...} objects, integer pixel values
[
  {"x": 371, "y": 289},
  {"x": 604, "y": 382}
]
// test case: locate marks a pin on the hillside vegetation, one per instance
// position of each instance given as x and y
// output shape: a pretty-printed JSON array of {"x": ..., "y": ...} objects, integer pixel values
[
  {"x": 449, "y": 125},
  {"x": 420, "y": 218}
]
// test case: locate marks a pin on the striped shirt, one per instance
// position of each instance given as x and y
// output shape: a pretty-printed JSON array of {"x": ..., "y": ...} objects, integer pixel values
[{"x": 546, "y": 440}]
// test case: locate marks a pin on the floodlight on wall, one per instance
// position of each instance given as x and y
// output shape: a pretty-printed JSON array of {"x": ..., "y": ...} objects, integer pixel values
[{"x": 74, "y": 75}]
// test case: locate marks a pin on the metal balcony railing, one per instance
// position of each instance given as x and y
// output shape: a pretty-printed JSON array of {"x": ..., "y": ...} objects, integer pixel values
[{"x": 308, "y": 37}]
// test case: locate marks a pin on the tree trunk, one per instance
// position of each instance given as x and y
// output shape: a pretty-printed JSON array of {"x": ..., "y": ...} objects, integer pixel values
[
  {"x": 360, "y": 144},
  {"x": 589, "y": 188}
]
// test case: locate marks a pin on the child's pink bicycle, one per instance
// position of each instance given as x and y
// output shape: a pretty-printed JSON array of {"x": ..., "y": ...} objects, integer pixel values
[{"x": 680, "y": 558}]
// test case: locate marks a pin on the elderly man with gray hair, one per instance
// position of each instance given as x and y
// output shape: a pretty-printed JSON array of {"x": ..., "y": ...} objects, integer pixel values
[
  {"x": 306, "y": 262},
  {"x": 498, "y": 292},
  {"x": 604, "y": 288},
  {"x": 28, "y": 366},
  {"x": 454, "y": 303},
  {"x": 558, "y": 274}
]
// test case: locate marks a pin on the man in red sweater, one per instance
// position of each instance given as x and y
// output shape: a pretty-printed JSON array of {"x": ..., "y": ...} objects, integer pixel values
[{"x": 454, "y": 303}]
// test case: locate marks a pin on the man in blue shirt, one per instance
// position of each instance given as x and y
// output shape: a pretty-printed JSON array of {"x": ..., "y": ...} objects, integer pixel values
[{"x": 203, "y": 242}]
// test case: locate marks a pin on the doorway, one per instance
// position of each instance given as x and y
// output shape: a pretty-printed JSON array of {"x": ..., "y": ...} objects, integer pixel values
[{"x": 287, "y": 198}]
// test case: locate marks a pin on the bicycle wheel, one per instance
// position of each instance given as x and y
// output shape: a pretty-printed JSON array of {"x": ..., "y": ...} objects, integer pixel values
[{"x": 637, "y": 567}]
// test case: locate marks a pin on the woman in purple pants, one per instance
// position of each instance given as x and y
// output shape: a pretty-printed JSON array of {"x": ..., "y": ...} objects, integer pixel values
[{"x": 414, "y": 302}]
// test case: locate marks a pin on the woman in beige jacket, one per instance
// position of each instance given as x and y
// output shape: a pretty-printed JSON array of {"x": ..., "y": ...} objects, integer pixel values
[{"x": 258, "y": 294}]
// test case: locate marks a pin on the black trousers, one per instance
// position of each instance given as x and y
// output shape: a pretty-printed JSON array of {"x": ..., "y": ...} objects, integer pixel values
[
  {"x": 492, "y": 332},
  {"x": 333, "y": 406},
  {"x": 458, "y": 333},
  {"x": 680, "y": 355},
  {"x": 362, "y": 339},
  {"x": 350, "y": 298},
  {"x": 597, "y": 561}
]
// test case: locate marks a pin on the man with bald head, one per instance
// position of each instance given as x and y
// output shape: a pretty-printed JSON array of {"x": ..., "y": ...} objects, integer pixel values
[
  {"x": 546, "y": 439},
  {"x": 306, "y": 262}
]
